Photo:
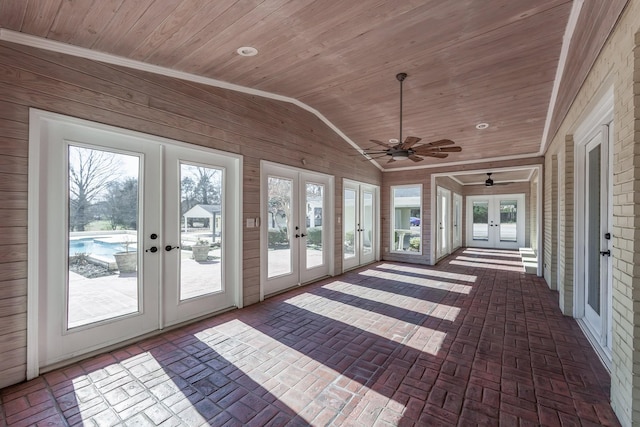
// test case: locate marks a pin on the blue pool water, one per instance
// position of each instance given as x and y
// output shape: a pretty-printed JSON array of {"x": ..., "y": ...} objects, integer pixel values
[{"x": 96, "y": 248}]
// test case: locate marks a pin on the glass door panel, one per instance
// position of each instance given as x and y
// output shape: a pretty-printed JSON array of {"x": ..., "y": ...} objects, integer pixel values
[
  {"x": 350, "y": 221},
  {"x": 279, "y": 194},
  {"x": 593, "y": 229},
  {"x": 314, "y": 225},
  {"x": 508, "y": 220},
  {"x": 367, "y": 223},
  {"x": 103, "y": 216},
  {"x": 202, "y": 212},
  {"x": 480, "y": 220}
]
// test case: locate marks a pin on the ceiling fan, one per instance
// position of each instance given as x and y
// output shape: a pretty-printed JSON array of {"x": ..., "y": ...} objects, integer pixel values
[
  {"x": 489, "y": 182},
  {"x": 399, "y": 150}
]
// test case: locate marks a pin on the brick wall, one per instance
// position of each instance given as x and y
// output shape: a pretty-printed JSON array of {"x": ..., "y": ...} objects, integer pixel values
[{"x": 617, "y": 64}]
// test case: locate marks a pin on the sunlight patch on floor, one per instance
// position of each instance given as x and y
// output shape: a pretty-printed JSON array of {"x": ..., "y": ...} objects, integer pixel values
[
  {"x": 418, "y": 281},
  {"x": 428, "y": 272},
  {"x": 482, "y": 264},
  {"x": 422, "y": 306}
]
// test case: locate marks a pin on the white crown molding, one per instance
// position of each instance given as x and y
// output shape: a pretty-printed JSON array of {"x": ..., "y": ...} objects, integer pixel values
[
  {"x": 465, "y": 162},
  {"x": 54, "y": 46},
  {"x": 562, "y": 63}
]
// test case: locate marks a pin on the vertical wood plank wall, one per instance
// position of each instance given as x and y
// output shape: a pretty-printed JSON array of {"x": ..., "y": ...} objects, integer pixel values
[{"x": 255, "y": 127}]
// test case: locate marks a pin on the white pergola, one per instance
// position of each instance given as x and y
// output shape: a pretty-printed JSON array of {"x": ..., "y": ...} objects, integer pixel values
[{"x": 203, "y": 211}]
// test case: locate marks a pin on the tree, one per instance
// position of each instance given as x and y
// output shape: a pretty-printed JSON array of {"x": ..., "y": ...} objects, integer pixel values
[
  {"x": 90, "y": 171},
  {"x": 121, "y": 202},
  {"x": 200, "y": 186},
  {"x": 279, "y": 201}
]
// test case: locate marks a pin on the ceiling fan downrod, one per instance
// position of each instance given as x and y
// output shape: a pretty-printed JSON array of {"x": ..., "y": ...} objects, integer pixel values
[{"x": 401, "y": 77}]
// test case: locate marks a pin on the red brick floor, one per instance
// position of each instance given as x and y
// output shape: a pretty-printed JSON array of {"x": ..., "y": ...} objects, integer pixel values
[{"x": 472, "y": 341}]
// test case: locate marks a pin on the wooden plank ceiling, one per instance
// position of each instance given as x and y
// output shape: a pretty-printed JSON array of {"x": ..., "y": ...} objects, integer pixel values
[{"x": 468, "y": 61}]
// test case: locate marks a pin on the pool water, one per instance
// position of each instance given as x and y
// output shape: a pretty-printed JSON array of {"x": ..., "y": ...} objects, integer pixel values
[{"x": 96, "y": 248}]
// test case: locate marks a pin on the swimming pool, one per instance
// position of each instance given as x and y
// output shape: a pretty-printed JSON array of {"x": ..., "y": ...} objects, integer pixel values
[{"x": 97, "y": 248}]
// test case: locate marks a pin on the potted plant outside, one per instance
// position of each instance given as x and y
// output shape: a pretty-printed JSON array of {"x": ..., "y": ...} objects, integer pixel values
[
  {"x": 127, "y": 261},
  {"x": 200, "y": 250}
]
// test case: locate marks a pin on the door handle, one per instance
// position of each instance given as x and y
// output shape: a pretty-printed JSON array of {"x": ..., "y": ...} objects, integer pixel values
[
  {"x": 302, "y": 235},
  {"x": 152, "y": 249},
  {"x": 607, "y": 253},
  {"x": 169, "y": 247}
]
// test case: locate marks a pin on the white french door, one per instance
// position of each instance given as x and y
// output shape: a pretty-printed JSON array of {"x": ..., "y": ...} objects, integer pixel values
[
  {"x": 110, "y": 261},
  {"x": 197, "y": 285},
  {"x": 359, "y": 235},
  {"x": 496, "y": 221},
  {"x": 457, "y": 221},
  {"x": 443, "y": 218},
  {"x": 297, "y": 216}
]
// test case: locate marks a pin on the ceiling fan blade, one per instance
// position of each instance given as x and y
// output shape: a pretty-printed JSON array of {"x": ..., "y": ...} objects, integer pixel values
[
  {"x": 409, "y": 142},
  {"x": 415, "y": 158},
  {"x": 384, "y": 144},
  {"x": 441, "y": 142},
  {"x": 424, "y": 149},
  {"x": 435, "y": 154},
  {"x": 454, "y": 149}
]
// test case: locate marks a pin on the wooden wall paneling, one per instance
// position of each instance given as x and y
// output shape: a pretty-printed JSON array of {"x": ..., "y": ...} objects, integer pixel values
[
  {"x": 13, "y": 147},
  {"x": 13, "y": 271},
  {"x": 13, "y": 288},
  {"x": 219, "y": 119}
]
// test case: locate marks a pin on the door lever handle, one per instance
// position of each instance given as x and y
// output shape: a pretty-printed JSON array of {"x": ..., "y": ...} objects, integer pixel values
[
  {"x": 152, "y": 249},
  {"x": 169, "y": 247},
  {"x": 607, "y": 253}
]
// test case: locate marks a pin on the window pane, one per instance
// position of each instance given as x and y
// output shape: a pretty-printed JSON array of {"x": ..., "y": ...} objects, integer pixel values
[
  {"x": 508, "y": 220},
  {"x": 279, "y": 193},
  {"x": 367, "y": 223},
  {"x": 103, "y": 235},
  {"x": 481, "y": 220},
  {"x": 349, "y": 238},
  {"x": 407, "y": 215},
  {"x": 201, "y": 222},
  {"x": 315, "y": 206},
  {"x": 593, "y": 239}
]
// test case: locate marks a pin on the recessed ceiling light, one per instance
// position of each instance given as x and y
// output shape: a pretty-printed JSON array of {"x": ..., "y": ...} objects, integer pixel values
[
  {"x": 247, "y": 51},
  {"x": 481, "y": 126},
  {"x": 393, "y": 141}
]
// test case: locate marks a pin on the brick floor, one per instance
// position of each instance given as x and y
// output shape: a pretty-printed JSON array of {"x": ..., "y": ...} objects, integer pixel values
[{"x": 472, "y": 341}]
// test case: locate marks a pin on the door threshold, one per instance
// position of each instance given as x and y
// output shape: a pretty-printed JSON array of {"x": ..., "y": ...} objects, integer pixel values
[{"x": 125, "y": 343}]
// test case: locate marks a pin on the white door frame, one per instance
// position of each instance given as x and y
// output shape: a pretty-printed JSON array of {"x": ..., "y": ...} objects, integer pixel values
[
  {"x": 39, "y": 132},
  {"x": 599, "y": 120}
]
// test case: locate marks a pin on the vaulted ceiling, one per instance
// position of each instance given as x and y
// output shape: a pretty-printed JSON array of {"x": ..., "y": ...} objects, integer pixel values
[{"x": 468, "y": 61}]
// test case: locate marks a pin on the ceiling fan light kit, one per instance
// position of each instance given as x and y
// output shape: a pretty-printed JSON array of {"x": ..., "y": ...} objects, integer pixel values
[{"x": 399, "y": 150}]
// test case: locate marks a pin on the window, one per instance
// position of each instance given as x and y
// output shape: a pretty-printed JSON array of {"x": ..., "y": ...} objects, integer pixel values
[{"x": 406, "y": 221}]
